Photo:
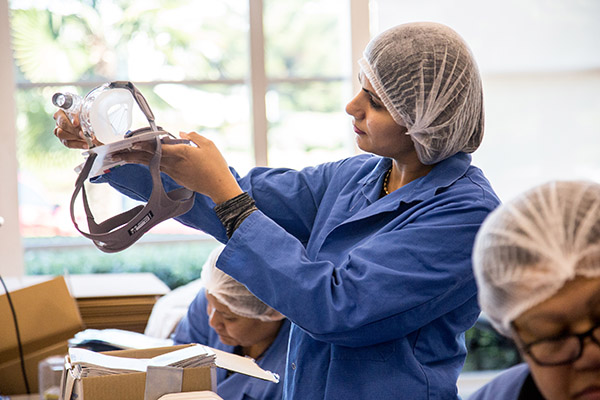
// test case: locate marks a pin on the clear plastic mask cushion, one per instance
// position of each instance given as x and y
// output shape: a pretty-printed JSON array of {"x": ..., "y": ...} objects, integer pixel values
[{"x": 111, "y": 114}]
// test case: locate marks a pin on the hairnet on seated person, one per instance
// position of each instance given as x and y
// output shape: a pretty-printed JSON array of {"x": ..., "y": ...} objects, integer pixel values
[
  {"x": 233, "y": 294},
  {"x": 528, "y": 248},
  {"x": 428, "y": 80}
]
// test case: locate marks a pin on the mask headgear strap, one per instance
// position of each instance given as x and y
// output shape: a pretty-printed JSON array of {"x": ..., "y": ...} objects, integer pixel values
[
  {"x": 139, "y": 99},
  {"x": 123, "y": 230}
]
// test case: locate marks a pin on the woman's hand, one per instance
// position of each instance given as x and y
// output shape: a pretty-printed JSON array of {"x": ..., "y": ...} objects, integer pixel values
[
  {"x": 70, "y": 133},
  {"x": 201, "y": 169}
]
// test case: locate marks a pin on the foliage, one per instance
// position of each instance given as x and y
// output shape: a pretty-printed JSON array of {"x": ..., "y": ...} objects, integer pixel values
[
  {"x": 90, "y": 41},
  {"x": 303, "y": 38},
  {"x": 174, "y": 263},
  {"x": 37, "y": 146},
  {"x": 488, "y": 350}
]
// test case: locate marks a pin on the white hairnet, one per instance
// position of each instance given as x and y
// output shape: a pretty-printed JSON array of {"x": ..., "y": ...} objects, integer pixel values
[
  {"x": 428, "y": 80},
  {"x": 527, "y": 249},
  {"x": 233, "y": 294}
]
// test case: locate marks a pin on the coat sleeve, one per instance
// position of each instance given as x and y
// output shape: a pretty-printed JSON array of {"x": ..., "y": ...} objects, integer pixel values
[
  {"x": 290, "y": 198},
  {"x": 390, "y": 285}
]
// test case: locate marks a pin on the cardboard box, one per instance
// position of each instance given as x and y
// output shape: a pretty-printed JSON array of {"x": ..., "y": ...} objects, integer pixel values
[
  {"x": 121, "y": 301},
  {"x": 47, "y": 316},
  {"x": 132, "y": 385}
]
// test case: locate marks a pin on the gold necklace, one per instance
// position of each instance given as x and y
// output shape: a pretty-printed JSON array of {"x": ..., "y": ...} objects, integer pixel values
[{"x": 385, "y": 181}]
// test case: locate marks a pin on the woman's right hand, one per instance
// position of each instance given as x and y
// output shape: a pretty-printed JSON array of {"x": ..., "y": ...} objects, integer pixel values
[
  {"x": 70, "y": 133},
  {"x": 201, "y": 167}
]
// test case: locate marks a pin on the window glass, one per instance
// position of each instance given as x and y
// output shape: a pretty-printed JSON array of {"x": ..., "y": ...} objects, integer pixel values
[
  {"x": 190, "y": 61},
  {"x": 307, "y": 45},
  {"x": 307, "y": 123},
  {"x": 306, "y": 38},
  {"x": 141, "y": 40}
]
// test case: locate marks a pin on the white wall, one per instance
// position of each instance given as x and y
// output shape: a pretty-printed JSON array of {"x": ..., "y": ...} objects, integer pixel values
[
  {"x": 11, "y": 251},
  {"x": 540, "y": 64}
]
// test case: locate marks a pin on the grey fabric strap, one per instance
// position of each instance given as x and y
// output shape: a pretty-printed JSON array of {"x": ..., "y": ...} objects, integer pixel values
[{"x": 123, "y": 230}]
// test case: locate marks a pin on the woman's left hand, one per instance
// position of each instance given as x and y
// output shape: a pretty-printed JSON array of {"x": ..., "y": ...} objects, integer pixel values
[{"x": 202, "y": 169}]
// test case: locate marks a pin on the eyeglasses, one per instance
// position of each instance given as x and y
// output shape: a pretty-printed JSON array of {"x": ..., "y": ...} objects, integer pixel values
[{"x": 559, "y": 350}]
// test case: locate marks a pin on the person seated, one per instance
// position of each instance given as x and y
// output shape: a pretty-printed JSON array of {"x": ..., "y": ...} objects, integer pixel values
[
  {"x": 537, "y": 264},
  {"x": 226, "y": 316}
]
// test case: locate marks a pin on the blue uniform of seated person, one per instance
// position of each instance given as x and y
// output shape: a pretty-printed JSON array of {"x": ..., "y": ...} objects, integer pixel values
[
  {"x": 226, "y": 316},
  {"x": 369, "y": 256},
  {"x": 537, "y": 264}
]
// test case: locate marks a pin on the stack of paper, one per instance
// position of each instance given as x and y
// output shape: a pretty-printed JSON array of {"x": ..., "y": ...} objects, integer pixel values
[
  {"x": 116, "y": 339},
  {"x": 89, "y": 363}
]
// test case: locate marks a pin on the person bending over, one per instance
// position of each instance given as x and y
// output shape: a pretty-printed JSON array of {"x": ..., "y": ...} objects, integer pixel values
[{"x": 226, "y": 316}]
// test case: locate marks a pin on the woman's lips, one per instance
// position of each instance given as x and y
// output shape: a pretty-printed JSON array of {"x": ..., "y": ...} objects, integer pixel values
[
  {"x": 358, "y": 131},
  {"x": 591, "y": 393}
]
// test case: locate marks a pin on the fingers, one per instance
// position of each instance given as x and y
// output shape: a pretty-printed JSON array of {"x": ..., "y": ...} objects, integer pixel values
[
  {"x": 70, "y": 141},
  {"x": 64, "y": 121},
  {"x": 194, "y": 137},
  {"x": 58, "y": 113},
  {"x": 70, "y": 133}
]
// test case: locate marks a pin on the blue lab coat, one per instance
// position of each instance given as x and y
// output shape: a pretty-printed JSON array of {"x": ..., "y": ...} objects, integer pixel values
[
  {"x": 380, "y": 290},
  {"x": 508, "y": 386},
  {"x": 194, "y": 328}
]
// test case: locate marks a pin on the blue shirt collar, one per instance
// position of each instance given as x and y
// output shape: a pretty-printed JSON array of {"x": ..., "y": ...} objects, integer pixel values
[{"x": 443, "y": 174}]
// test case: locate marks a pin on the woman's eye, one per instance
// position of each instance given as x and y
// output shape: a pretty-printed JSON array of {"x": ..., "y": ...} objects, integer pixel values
[{"x": 374, "y": 104}]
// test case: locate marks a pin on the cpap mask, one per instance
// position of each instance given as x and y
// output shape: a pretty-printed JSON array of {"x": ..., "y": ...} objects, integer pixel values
[{"x": 105, "y": 113}]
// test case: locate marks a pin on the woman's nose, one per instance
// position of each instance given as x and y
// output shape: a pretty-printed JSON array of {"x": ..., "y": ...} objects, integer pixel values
[
  {"x": 354, "y": 108},
  {"x": 213, "y": 320}
]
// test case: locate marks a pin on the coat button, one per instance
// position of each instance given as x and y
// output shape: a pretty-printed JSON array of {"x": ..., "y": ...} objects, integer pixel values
[{"x": 293, "y": 365}]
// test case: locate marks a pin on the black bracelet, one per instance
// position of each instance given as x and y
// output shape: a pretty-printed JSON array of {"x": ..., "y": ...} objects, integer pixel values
[{"x": 234, "y": 211}]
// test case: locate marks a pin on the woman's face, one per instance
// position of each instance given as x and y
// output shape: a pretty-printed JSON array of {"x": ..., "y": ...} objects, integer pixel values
[
  {"x": 376, "y": 130},
  {"x": 235, "y": 330},
  {"x": 574, "y": 309}
]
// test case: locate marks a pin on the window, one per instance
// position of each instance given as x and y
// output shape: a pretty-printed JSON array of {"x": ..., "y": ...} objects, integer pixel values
[{"x": 196, "y": 66}]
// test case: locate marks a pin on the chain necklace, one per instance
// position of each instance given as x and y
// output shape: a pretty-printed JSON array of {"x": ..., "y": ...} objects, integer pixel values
[{"x": 385, "y": 181}]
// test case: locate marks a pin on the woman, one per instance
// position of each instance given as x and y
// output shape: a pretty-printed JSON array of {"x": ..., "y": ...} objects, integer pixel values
[
  {"x": 226, "y": 316},
  {"x": 537, "y": 264},
  {"x": 369, "y": 257}
]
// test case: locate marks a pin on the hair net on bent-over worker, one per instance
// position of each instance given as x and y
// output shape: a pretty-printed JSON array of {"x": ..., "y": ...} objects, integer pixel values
[
  {"x": 528, "y": 248},
  {"x": 233, "y": 294},
  {"x": 428, "y": 80}
]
